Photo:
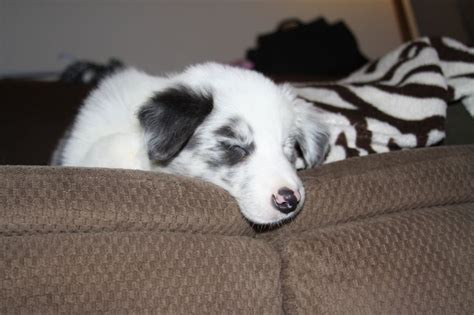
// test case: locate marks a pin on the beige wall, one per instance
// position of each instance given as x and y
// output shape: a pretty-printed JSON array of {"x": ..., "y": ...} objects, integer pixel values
[{"x": 164, "y": 35}]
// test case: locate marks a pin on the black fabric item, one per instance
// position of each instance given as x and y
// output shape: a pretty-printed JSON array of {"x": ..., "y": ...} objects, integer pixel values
[
  {"x": 315, "y": 48},
  {"x": 34, "y": 116},
  {"x": 90, "y": 72}
]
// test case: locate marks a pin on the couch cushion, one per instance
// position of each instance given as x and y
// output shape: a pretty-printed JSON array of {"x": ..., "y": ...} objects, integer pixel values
[
  {"x": 136, "y": 273},
  {"x": 413, "y": 262},
  {"x": 48, "y": 199},
  {"x": 38, "y": 200},
  {"x": 384, "y": 183}
]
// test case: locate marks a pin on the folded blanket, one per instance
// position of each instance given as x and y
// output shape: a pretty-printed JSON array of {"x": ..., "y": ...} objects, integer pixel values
[{"x": 396, "y": 102}]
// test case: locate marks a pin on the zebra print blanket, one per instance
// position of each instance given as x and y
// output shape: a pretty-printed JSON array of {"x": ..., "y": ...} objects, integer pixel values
[{"x": 396, "y": 102}]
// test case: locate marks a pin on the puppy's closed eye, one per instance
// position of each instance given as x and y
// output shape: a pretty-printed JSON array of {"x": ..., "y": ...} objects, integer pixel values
[
  {"x": 239, "y": 151},
  {"x": 233, "y": 154}
]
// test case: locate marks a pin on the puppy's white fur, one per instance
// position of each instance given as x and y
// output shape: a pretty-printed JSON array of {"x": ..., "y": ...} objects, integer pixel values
[{"x": 267, "y": 118}]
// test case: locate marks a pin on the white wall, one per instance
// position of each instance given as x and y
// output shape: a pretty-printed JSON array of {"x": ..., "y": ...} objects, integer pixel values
[{"x": 165, "y": 35}]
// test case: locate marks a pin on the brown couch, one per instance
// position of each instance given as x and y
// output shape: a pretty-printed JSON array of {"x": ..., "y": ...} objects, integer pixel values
[{"x": 390, "y": 233}]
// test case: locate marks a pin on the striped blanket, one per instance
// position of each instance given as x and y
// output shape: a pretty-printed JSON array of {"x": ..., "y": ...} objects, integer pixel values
[{"x": 396, "y": 102}]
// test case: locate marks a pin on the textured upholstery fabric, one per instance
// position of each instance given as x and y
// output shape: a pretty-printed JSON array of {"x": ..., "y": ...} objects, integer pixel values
[
  {"x": 358, "y": 188},
  {"x": 389, "y": 233},
  {"x": 137, "y": 272},
  {"x": 53, "y": 199},
  {"x": 413, "y": 262}
]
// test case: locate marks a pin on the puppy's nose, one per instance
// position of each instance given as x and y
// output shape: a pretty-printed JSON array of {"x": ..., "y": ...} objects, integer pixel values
[{"x": 286, "y": 200}]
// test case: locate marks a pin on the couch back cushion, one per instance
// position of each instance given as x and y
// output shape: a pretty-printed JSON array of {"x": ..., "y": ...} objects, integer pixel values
[
  {"x": 364, "y": 187},
  {"x": 40, "y": 200}
]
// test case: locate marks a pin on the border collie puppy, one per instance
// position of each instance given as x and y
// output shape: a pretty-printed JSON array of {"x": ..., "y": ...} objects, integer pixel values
[{"x": 229, "y": 126}]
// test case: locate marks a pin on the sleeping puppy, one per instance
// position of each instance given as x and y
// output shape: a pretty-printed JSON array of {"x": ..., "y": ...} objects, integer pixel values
[{"x": 229, "y": 126}]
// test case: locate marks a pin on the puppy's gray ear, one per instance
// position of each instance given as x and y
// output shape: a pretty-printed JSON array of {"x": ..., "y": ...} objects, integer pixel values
[
  {"x": 312, "y": 137},
  {"x": 171, "y": 117}
]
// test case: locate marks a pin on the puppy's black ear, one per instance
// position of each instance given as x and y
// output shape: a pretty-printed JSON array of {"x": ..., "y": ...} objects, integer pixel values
[
  {"x": 312, "y": 137},
  {"x": 170, "y": 119}
]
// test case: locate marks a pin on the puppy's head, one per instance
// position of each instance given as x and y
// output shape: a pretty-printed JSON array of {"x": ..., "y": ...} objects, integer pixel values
[{"x": 237, "y": 129}]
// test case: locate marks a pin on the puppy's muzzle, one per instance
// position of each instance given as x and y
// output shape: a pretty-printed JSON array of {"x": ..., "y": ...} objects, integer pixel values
[{"x": 286, "y": 200}]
